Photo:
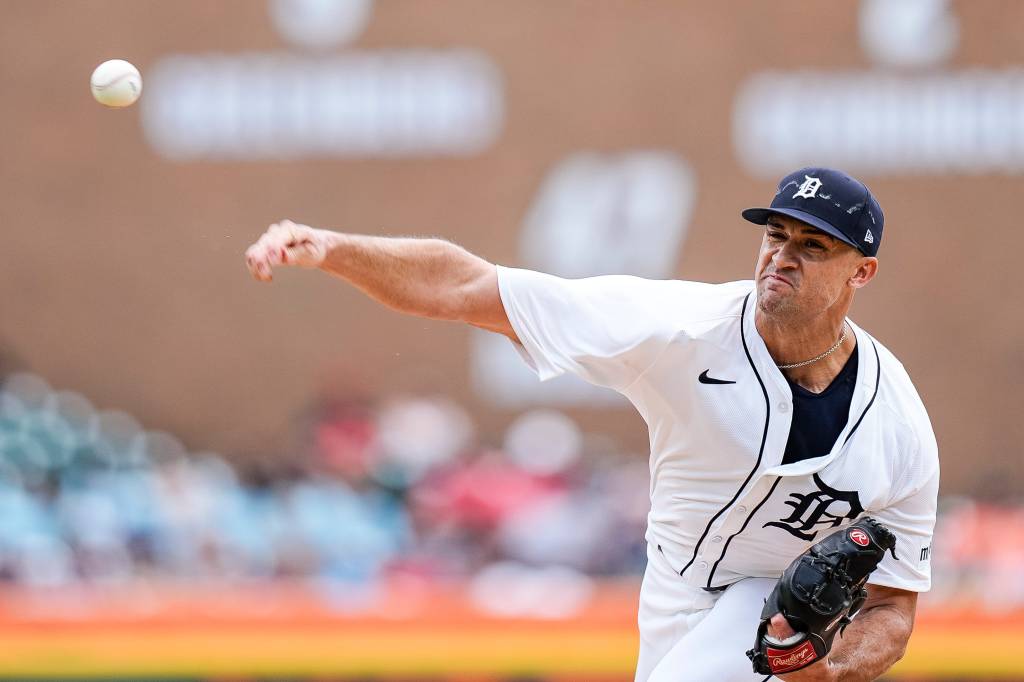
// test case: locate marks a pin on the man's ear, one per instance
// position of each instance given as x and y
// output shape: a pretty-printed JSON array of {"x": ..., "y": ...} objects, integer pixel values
[{"x": 865, "y": 272}]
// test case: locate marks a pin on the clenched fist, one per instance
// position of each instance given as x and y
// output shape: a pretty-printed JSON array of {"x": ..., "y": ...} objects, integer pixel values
[{"x": 286, "y": 243}]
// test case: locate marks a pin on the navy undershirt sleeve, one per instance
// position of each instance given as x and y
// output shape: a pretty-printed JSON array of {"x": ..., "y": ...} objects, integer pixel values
[{"x": 819, "y": 418}]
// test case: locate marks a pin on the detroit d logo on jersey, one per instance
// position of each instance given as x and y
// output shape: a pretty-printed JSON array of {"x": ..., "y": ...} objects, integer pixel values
[{"x": 818, "y": 510}]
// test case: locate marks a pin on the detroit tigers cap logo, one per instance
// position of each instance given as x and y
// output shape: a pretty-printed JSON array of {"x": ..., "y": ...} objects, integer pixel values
[
  {"x": 860, "y": 537},
  {"x": 809, "y": 188}
]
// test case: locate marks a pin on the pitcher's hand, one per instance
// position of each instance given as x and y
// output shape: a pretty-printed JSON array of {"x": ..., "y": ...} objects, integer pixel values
[{"x": 286, "y": 243}]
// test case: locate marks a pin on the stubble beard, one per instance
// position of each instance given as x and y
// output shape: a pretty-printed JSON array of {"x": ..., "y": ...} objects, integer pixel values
[
  {"x": 780, "y": 307},
  {"x": 772, "y": 302}
]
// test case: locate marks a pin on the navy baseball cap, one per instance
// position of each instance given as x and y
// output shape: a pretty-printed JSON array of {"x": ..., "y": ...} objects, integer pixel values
[{"x": 831, "y": 201}]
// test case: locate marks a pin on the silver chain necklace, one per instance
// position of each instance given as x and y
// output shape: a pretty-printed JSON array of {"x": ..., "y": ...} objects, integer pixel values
[{"x": 824, "y": 355}]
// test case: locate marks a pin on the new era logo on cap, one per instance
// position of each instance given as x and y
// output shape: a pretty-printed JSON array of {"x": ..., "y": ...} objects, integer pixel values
[{"x": 831, "y": 201}]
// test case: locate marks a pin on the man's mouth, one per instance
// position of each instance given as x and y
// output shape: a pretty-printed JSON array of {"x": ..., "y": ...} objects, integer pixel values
[{"x": 778, "y": 277}]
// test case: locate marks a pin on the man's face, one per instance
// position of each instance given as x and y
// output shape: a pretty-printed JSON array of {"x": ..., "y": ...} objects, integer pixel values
[{"x": 802, "y": 272}]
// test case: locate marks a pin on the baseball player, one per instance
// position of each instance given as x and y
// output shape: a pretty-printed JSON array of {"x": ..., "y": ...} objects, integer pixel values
[{"x": 775, "y": 422}]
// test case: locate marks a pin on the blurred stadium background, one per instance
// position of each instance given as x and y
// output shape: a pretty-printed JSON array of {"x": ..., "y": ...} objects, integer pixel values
[{"x": 204, "y": 478}]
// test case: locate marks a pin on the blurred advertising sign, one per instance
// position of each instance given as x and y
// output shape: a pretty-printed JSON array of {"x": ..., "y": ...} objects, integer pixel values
[
  {"x": 895, "y": 119},
  {"x": 593, "y": 215},
  {"x": 255, "y": 107},
  {"x": 261, "y": 106},
  {"x": 969, "y": 121}
]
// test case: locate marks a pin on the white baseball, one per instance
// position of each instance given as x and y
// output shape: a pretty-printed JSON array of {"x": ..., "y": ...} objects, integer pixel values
[{"x": 116, "y": 83}]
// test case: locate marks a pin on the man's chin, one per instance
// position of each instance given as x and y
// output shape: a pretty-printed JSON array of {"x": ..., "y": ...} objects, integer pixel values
[{"x": 771, "y": 300}]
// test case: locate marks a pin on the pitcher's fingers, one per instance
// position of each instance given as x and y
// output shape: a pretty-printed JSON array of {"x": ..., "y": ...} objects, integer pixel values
[
  {"x": 274, "y": 254},
  {"x": 264, "y": 272},
  {"x": 266, "y": 251},
  {"x": 251, "y": 259},
  {"x": 301, "y": 252},
  {"x": 291, "y": 234},
  {"x": 269, "y": 247},
  {"x": 258, "y": 267},
  {"x": 254, "y": 266},
  {"x": 255, "y": 255}
]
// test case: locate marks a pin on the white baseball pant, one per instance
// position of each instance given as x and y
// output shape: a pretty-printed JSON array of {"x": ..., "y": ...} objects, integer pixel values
[{"x": 691, "y": 635}]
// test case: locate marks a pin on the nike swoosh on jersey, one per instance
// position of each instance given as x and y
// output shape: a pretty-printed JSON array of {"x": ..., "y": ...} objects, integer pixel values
[{"x": 705, "y": 379}]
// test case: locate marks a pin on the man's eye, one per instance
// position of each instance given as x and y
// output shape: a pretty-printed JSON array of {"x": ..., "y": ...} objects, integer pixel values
[
  {"x": 815, "y": 245},
  {"x": 775, "y": 235}
]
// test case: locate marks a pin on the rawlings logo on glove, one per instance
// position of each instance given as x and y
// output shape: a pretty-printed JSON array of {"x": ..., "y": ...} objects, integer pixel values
[{"x": 818, "y": 593}]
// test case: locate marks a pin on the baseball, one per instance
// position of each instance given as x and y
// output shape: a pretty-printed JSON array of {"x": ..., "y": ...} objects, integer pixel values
[{"x": 116, "y": 83}]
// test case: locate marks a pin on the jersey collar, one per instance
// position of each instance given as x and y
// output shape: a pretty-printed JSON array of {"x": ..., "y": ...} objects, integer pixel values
[{"x": 780, "y": 396}]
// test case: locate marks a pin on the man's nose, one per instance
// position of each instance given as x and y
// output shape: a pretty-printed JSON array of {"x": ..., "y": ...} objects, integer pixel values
[{"x": 785, "y": 256}]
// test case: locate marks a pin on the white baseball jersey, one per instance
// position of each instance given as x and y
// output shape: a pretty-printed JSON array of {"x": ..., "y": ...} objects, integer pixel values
[{"x": 689, "y": 358}]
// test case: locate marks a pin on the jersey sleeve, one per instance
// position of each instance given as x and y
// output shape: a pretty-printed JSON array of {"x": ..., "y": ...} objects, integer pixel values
[
  {"x": 606, "y": 329},
  {"x": 912, "y": 519}
]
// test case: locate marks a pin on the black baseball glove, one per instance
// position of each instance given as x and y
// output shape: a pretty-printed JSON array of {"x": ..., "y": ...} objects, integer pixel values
[{"x": 818, "y": 593}]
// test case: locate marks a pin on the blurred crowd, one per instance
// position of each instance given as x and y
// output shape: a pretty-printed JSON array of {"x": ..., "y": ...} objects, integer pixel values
[
  {"x": 405, "y": 487},
  {"x": 89, "y": 495}
]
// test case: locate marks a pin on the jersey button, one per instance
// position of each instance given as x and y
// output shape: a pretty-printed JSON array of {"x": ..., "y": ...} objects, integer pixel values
[
  {"x": 741, "y": 509},
  {"x": 703, "y": 565},
  {"x": 717, "y": 538},
  {"x": 783, "y": 408}
]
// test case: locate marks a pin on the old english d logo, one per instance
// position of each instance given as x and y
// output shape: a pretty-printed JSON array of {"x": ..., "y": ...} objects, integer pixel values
[
  {"x": 809, "y": 189},
  {"x": 824, "y": 508}
]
